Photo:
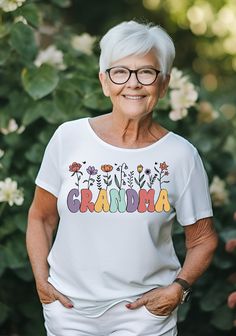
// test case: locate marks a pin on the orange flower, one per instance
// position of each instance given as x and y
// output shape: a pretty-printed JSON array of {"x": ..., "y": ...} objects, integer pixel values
[{"x": 106, "y": 168}]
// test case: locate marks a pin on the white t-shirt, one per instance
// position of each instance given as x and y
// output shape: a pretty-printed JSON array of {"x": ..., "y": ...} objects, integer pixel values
[{"x": 116, "y": 209}]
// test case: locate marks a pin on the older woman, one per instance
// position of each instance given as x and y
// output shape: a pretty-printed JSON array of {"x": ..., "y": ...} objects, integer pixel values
[{"x": 112, "y": 187}]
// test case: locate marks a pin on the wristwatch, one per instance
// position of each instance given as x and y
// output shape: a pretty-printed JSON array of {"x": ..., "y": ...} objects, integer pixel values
[{"x": 187, "y": 290}]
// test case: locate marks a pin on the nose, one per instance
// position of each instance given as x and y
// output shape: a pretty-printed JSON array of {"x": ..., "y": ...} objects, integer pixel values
[{"x": 133, "y": 81}]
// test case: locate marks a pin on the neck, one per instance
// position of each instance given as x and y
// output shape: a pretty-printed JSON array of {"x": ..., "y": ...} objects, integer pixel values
[{"x": 134, "y": 131}]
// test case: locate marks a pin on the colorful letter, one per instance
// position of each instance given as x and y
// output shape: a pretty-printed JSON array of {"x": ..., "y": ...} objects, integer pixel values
[
  {"x": 146, "y": 197},
  {"x": 117, "y": 200},
  {"x": 162, "y": 203},
  {"x": 102, "y": 201},
  {"x": 72, "y": 203},
  {"x": 132, "y": 200},
  {"x": 86, "y": 196}
]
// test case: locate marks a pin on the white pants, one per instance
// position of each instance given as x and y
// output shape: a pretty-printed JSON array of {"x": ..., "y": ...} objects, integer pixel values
[{"x": 116, "y": 321}]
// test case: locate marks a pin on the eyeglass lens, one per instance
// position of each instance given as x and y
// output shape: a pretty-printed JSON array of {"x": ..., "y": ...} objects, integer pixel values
[{"x": 121, "y": 75}]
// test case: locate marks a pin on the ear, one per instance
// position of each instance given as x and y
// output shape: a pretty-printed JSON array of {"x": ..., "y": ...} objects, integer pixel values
[
  {"x": 164, "y": 85},
  {"x": 103, "y": 81}
]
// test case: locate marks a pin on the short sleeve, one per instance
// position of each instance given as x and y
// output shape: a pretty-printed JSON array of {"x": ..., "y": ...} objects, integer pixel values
[
  {"x": 194, "y": 202},
  {"x": 48, "y": 176}
]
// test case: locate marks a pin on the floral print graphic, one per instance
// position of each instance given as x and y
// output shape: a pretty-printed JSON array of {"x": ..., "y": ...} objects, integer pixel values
[
  {"x": 91, "y": 171},
  {"x": 140, "y": 181},
  {"x": 121, "y": 181},
  {"x": 151, "y": 177},
  {"x": 75, "y": 168},
  {"x": 162, "y": 172},
  {"x": 106, "y": 168},
  {"x": 119, "y": 190}
]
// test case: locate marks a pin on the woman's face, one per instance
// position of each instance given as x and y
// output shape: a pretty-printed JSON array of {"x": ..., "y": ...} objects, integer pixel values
[{"x": 133, "y": 99}]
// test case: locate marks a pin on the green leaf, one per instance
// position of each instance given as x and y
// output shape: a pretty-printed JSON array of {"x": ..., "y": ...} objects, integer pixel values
[
  {"x": 4, "y": 53},
  {"x": 15, "y": 252},
  {"x": 227, "y": 235},
  {"x": 39, "y": 82},
  {"x": 62, "y": 3},
  {"x": 223, "y": 318},
  {"x": 7, "y": 228},
  {"x": 30, "y": 13},
  {"x": 2, "y": 260},
  {"x": 35, "y": 153},
  {"x": 183, "y": 311},
  {"x": 66, "y": 100},
  {"x": 96, "y": 100},
  {"x": 22, "y": 40},
  {"x": 24, "y": 273},
  {"x": 4, "y": 30},
  {"x": 214, "y": 297},
  {"x": 4, "y": 309}
]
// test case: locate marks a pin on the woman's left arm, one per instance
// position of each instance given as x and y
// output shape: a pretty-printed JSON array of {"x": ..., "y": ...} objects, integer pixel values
[{"x": 201, "y": 242}]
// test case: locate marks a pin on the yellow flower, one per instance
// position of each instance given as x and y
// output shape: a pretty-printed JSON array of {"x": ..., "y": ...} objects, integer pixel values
[{"x": 140, "y": 168}]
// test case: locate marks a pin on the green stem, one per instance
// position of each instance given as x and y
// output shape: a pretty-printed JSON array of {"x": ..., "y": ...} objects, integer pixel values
[{"x": 2, "y": 208}]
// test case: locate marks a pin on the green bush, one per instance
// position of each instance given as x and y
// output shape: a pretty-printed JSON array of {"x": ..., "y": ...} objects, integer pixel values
[{"x": 50, "y": 75}]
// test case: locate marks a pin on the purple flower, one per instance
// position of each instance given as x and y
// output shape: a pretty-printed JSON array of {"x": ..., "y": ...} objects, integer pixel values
[
  {"x": 147, "y": 171},
  {"x": 91, "y": 170}
]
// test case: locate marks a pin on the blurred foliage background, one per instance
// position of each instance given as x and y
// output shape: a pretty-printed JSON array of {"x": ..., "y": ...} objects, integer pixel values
[{"x": 48, "y": 75}]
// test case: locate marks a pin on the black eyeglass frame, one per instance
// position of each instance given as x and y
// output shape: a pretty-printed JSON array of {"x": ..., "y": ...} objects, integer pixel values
[{"x": 130, "y": 73}]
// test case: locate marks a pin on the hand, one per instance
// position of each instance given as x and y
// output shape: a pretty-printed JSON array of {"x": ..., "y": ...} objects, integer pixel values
[
  {"x": 48, "y": 294},
  {"x": 160, "y": 301}
]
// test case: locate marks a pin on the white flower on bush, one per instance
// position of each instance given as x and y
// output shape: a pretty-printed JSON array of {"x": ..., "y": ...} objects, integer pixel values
[
  {"x": 218, "y": 191},
  {"x": 83, "y": 43},
  {"x": 10, "y": 5},
  {"x": 12, "y": 127},
  {"x": 10, "y": 193},
  {"x": 20, "y": 18},
  {"x": 182, "y": 95},
  {"x": 52, "y": 56},
  {"x": 177, "y": 80}
]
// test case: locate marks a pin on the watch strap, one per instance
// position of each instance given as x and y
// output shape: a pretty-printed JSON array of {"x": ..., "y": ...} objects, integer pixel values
[{"x": 183, "y": 283}]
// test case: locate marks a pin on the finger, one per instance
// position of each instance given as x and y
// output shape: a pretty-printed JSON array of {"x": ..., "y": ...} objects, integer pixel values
[
  {"x": 63, "y": 299},
  {"x": 136, "y": 304}
]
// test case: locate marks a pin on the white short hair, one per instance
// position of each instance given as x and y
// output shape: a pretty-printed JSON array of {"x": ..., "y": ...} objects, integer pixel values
[{"x": 133, "y": 38}]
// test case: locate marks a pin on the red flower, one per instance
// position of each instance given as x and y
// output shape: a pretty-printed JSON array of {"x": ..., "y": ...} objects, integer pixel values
[
  {"x": 163, "y": 166},
  {"x": 75, "y": 167}
]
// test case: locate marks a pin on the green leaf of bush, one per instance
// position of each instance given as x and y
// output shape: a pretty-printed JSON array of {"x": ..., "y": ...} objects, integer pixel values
[
  {"x": 39, "y": 82},
  {"x": 214, "y": 297},
  {"x": 223, "y": 318},
  {"x": 4, "y": 312},
  {"x": 62, "y": 3},
  {"x": 30, "y": 13},
  {"x": 22, "y": 40}
]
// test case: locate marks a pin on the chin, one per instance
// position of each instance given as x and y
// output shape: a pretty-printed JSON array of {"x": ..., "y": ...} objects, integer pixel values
[{"x": 134, "y": 114}]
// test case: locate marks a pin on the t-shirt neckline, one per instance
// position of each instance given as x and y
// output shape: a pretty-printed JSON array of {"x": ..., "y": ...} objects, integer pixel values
[{"x": 106, "y": 144}]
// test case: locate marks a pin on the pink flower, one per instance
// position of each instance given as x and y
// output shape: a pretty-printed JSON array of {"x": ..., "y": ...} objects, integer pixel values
[
  {"x": 75, "y": 167},
  {"x": 230, "y": 246}
]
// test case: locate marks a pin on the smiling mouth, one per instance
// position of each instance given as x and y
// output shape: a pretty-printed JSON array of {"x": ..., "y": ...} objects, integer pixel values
[{"x": 136, "y": 97}]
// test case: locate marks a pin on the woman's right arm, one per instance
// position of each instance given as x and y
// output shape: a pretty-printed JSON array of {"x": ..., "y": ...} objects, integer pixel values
[{"x": 42, "y": 222}]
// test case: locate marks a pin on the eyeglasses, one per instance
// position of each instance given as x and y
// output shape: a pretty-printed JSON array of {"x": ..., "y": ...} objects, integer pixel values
[{"x": 120, "y": 75}]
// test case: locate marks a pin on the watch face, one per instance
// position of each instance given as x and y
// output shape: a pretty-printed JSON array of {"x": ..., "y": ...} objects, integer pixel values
[{"x": 186, "y": 295}]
